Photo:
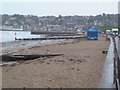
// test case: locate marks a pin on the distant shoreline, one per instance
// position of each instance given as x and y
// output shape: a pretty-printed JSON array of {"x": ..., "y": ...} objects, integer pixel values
[{"x": 14, "y": 30}]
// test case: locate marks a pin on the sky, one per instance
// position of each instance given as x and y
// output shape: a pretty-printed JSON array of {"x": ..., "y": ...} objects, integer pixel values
[
  {"x": 59, "y": 0},
  {"x": 58, "y": 7}
]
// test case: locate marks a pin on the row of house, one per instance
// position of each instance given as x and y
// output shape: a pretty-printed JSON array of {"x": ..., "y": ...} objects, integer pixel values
[{"x": 53, "y": 23}]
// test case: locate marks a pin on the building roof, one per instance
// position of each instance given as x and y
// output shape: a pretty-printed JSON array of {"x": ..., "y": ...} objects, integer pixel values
[{"x": 92, "y": 29}]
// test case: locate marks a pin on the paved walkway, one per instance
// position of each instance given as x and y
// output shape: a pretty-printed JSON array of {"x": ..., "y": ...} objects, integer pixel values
[
  {"x": 118, "y": 44},
  {"x": 107, "y": 76}
]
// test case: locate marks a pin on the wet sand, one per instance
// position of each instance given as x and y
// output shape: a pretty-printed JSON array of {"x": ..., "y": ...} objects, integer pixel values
[{"x": 80, "y": 66}]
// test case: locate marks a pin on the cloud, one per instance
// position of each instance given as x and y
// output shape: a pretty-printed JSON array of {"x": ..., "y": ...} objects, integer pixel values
[{"x": 59, "y": 0}]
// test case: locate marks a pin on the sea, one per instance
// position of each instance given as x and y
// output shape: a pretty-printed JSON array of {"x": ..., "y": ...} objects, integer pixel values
[{"x": 7, "y": 39}]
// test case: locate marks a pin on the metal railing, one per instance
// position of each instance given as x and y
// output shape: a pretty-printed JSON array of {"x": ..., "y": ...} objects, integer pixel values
[{"x": 116, "y": 65}]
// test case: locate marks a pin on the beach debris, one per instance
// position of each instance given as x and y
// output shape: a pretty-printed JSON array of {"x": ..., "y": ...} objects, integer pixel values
[
  {"x": 42, "y": 61},
  {"x": 25, "y": 57},
  {"x": 60, "y": 88},
  {"x": 86, "y": 56},
  {"x": 71, "y": 59},
  {"x": 104, "y": 52},
  {"x": 72, "y": 68},
  {"x": 76, "y": 60},
  {"x": 63, "y": 55},
  {"x": 51, "y": 60},
  {"x": 48, "y": 50},
  {"x": 79, "y": 60},
  {"x": 48, "y": 63},
  {"x": 60, "y": 60},
  {"x": 49, "y": 88},
  {"x": 23, "y": 88}
]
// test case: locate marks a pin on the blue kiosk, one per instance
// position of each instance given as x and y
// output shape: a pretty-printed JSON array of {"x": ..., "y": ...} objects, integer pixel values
[{"x": 92, "y": 34}]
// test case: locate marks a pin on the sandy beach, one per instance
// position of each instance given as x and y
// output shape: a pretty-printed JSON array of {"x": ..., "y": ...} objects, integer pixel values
[{"x": 80, "y": 66}]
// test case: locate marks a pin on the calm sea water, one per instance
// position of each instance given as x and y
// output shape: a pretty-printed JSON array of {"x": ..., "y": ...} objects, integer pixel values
[
  {"x": 7, "y": 39},
  {"x": 8, "y": 36}
]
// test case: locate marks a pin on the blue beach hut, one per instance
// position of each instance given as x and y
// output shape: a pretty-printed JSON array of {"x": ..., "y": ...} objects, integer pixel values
[{"x": 92, "y": 34}]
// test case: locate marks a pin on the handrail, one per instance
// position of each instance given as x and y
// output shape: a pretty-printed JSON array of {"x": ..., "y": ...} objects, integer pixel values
[{"x": 116, "y": 64}]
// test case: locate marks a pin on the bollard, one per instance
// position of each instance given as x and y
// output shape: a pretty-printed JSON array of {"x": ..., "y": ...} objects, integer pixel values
[
  {"x": 48, "y": 88},
  {"x": 61, "y": 88},
  {"x": 23, "y": 88}
]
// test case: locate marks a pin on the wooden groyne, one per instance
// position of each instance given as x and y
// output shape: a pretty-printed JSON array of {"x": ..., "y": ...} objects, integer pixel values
[
  {"x": 25, "y": 57},
  {"x": 51, "y": 38},
  {"x": 55, "y": 32}
]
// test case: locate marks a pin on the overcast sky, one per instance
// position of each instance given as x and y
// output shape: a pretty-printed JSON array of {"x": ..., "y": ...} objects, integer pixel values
[
  {"x": 59, "y": 7},
  {"x": 59, "y": 0}
]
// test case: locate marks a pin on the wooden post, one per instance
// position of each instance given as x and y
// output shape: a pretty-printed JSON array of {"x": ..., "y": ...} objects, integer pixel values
[{"x": 15, "y": 36}]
